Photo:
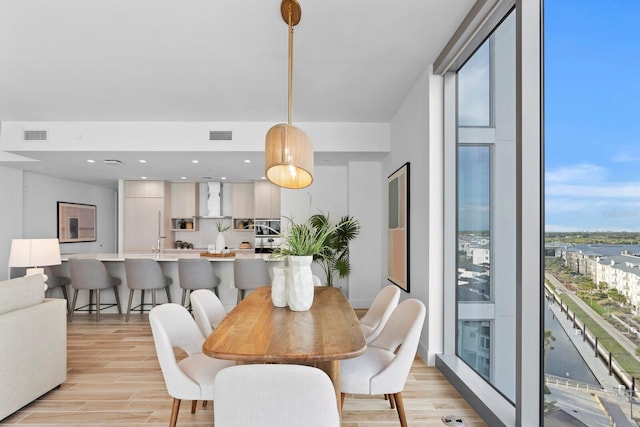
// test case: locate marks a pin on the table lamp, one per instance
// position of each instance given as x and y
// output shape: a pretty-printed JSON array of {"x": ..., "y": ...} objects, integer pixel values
[{"x": 34, "y": 254}]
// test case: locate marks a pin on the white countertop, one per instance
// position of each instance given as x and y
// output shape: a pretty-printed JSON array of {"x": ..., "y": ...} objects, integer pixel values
[{"x": 174, "y": 255}]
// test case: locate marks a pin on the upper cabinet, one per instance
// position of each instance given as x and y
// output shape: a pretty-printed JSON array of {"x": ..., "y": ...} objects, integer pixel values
[
  {"x": 184, "y": 199},
  {"x": 266, "y": 200},
  {"x": 144, "y": 188},
  {"x": 242, "y": 200}
]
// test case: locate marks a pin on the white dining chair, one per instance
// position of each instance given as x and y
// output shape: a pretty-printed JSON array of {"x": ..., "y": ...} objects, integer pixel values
[
  {"x": 207, "y": 310},
  {"x": 384, "y": 367},
  {"x": 192, "y": 377},
  {"x": 275, "y": 395},
  {"x": 381, "y": 308}
]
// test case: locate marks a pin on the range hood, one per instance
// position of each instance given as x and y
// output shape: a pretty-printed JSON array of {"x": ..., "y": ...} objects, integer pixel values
[{"x": 215, "y": 199}]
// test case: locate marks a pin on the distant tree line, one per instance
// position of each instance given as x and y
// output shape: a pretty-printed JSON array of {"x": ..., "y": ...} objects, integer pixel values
[{"x": 594, "y": 237}]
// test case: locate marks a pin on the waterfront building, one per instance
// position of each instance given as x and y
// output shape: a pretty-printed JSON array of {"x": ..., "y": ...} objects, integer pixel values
[{"x": 613, "y": 266}]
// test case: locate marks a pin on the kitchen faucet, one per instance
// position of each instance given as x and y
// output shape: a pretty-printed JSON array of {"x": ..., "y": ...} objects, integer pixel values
[{"x": 157, "y": 247}]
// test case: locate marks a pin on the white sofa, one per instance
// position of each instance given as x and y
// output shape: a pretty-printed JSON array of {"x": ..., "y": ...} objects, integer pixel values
[{"x": 33, "y": 342}]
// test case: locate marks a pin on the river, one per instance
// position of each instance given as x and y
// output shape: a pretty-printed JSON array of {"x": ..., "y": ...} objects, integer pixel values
[{"x": 562, "y": 359}]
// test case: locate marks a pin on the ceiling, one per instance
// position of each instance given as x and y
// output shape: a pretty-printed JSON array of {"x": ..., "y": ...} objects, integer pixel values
[{"x": 210, "y": 61}]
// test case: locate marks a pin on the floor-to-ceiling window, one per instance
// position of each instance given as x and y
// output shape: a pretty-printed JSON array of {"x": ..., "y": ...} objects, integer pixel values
[
  {"x": 492, "y": 163},
  {"x": 485, "y": 292},
  {"x": 592, "y": 212}
]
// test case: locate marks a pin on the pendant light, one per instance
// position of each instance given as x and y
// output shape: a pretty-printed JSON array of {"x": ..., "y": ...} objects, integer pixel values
[{"x": 288, "y": 150}]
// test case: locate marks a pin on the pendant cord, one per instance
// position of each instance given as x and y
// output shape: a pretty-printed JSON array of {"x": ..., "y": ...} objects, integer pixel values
[{"x": 290, "y": 65}]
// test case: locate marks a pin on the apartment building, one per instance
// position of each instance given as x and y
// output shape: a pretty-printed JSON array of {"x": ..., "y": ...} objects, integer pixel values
[
  {"x": 614, "y": 266},
  {"x": 472, "y": 115}
]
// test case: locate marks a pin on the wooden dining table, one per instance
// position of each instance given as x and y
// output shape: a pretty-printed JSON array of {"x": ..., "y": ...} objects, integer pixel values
[{"x": 257, "y": 332}]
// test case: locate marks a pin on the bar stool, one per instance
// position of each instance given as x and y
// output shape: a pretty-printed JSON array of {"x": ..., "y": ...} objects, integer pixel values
[
  {"x": 58, "y": 277},
  {"x": 92, "y": 275},
  {"x": 143, "y": 275},
  {"x": 17, "y": 272},
  {"x": 195, "y": 274},
  {"x": 249, "y": 274}
]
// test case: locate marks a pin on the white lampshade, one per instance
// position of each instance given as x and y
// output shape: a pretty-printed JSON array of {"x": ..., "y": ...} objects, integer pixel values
[{"x": 34, "y": 252}]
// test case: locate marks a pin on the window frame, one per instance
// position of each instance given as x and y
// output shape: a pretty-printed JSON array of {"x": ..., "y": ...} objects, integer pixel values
[{"x": 479, "y": 23}]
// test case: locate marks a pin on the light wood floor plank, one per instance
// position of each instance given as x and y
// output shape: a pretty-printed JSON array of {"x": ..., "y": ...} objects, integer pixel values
[{"x": 114, "y": 380}]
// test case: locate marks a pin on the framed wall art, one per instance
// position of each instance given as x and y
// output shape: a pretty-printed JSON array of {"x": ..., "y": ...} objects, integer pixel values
[
  {"x": 398, "y": 228},
  {"x": 76, "y": 222}
]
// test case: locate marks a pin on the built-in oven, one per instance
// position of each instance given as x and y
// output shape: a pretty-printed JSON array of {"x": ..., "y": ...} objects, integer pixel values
[
  {"x": 266, "y": 245},
  {"x": 267, "y": 227},
  {"x": 267, "y": 235}
]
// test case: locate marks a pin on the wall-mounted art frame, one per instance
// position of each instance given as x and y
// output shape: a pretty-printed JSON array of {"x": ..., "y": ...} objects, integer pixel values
[
  {"x": 76, "y": 222},
  {"x": 398, "y": 228}
]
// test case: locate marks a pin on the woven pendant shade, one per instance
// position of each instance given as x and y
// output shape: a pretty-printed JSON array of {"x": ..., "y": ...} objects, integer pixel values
[
  {"x": 288, "y": 157},
  {"x": 288, "y": 150}
]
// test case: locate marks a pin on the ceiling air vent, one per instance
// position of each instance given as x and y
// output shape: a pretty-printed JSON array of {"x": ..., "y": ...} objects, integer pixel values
[
  {"x": 112, "y": 162},
  {"x": 35, "y": 135},
  {"x": 220, "y": 135}
]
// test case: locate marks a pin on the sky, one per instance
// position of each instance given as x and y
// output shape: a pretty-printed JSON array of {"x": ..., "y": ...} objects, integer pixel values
[{"x": 592, "y": 115}]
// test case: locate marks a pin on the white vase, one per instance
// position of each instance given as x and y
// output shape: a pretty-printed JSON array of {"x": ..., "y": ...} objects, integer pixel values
[
  {"x": 300, "y": 283},
  {"x": 278, "y": 287},
  {"x": 220, "y": 242}
]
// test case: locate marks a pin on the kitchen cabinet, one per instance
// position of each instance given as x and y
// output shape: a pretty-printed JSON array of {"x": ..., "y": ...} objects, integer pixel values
[
  {"x": 184, "y": 224},
  {"x": 144, "y": 188},
  {"x": 184, "y": 199},
  {"x": 266, "y": 200},
  {"x": 242, "y": 201},
  {"x": 146, "y": 209}
]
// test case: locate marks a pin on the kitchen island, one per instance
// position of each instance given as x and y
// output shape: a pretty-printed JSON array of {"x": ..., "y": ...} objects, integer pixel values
[{"x": 223, "y": 267}]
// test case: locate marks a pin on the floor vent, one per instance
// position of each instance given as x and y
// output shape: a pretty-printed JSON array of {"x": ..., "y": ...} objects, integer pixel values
[
  {"x": 452, "y": 420},
  {"x": 35, "y": 135},
  {"x": 220, "y": 135}
]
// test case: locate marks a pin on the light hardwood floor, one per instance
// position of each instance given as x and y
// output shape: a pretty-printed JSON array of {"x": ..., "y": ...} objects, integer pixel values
[{"x": 114, "y": 380}]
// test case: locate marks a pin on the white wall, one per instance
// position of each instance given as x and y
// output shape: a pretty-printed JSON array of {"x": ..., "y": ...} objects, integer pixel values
[
  {"x": 328, "y": 194},
  {"x": 411, "y": 131},
  {"x": 11, "y": 224},
  {"x": 30, "y": 211},
  {"x": 193, "y": 136},
  {"x": 365, "y": 252},
  {"x": 41, "y": 194},
  {"x": 346, "y": 190}
]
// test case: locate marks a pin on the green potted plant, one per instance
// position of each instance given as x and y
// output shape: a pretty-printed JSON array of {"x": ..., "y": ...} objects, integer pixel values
[
  {"x": 222, "y": 227},
  {"x": 300, "y": 243},
  {"x": 302, "y": 240},
  {"x": 221, "y": 243},
  {"x": 334, "y": 255}
]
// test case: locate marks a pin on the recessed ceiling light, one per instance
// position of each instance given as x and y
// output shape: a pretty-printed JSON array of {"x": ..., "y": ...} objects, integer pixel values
[
  {"x": 223, "y": 177},
  {"x": 143, "y": 177},
  {"x": 195, "y": 161},
  {"x": 263, "y": 177},
  {"x": 247, "y": 161},
  {"x": 91, "y": 161},
  {"x": 142, "y": 161},
  {"x": 183, "y": 177}
]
